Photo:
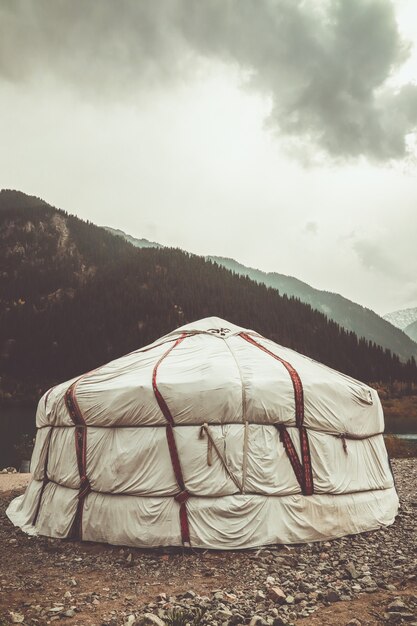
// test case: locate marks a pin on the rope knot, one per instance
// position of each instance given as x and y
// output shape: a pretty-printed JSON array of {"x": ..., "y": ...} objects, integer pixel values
[
  {"x": 282, "y": 429},
  {"x": 343, "y": 436},
  {"x": 181, "y": 497}
]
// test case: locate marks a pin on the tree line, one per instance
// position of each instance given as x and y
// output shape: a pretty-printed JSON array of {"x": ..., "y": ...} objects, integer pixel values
[{"x": 73, "y": 296}]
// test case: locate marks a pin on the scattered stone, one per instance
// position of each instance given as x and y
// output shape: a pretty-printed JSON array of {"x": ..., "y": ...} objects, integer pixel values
[
  {"x": 352, "y": 571},
  {"x": 274, "y": 586},
  {"x": 277, "y": 595},
  {"x": 230, "y": 597},
  {"x": 332, "y": 596},
  {"x": 397, "y": 605}
]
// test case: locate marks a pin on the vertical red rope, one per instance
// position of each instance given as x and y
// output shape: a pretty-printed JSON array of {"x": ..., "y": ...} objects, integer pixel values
[
  {"x": 303, "y": 469},
  {"x": 81, "y": 453},
  {"x": 291, "y": 453},
  {"x": 183, "y": 495}
]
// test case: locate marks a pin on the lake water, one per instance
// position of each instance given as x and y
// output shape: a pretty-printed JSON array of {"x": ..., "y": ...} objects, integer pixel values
[{"x": 413, "y": 436}]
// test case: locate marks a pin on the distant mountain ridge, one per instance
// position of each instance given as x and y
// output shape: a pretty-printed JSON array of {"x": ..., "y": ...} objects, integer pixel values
[
  {"x": 353, "y": 317},
  {"x": 138, "y": 243},
  {"x": 403, "y": 319},
  {"x": 74, "y": 296},
  {"x": 411, "y": 331}
]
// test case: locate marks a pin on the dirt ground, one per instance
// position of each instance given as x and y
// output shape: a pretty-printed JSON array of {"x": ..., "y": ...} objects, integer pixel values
[
  {"x": 85, "y": 584},
  {"x": 9, "y": 482}
]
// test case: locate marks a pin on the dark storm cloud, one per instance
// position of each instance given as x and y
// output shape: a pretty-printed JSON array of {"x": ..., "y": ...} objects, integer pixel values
[{"x": 324, "y": 65}]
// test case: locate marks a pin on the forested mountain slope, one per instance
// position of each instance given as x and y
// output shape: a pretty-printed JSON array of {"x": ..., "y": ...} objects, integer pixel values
[
  {"x": 350, "y": 315},
  {"x": 73, "y": 296}
]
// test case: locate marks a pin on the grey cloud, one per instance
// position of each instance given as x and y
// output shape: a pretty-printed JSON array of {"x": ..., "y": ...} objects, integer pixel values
[
  {"x": 375, "y": 257},
  {"x": 324, "y": 65}
]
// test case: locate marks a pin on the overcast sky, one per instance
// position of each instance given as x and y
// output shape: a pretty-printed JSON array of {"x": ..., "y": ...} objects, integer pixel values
[{"x": 277, "y": 132}]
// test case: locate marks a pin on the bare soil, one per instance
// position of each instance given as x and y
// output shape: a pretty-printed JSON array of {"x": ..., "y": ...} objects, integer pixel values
[
  {"x": 42, "y": 579},
  {"x": 10, "y": 482}
]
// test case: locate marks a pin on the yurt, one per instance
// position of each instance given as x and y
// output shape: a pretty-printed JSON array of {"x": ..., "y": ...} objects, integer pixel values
[{"x": 215, "y": 437}]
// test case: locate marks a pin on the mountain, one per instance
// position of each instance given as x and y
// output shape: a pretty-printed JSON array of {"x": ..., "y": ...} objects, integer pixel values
[
  {"x": 362, "y": 321},
  {"x": 138, "y": 243},
  {"x": 351, "y": 316},
  {"x": 411, "y": 330},
  {"x": 73, "y": 296},
  {"x": 402, "y": 318}
]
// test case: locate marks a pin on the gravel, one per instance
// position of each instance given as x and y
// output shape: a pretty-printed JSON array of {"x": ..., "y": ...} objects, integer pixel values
[
  {"x": 45, "y": 580},
  {"x": 12, "y": 480}
]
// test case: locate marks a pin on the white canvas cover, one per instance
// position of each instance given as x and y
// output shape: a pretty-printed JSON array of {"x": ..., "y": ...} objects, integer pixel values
[{"x": 213, "y": 436}]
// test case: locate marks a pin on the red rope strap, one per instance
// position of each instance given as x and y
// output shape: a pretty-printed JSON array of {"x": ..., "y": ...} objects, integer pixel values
[
  {"x": 295, "y": 379},
  {"x": 183, "y": 494},
  {"x": 80, "y": 447},
  {"x": 159, "y": 398},
  {"x": 303, "y": 470},
  {"x": 307, "y": 466},
  {"x": 81, "y": 452},
  {"x": 291, "y": 453}
]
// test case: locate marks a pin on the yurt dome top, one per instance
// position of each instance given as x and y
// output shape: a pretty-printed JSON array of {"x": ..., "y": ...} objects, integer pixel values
[{"x": 217, "y": 372}]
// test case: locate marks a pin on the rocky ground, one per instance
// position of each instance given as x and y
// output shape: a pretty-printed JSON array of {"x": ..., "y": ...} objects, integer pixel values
[{"x": 360, "y": 580}]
